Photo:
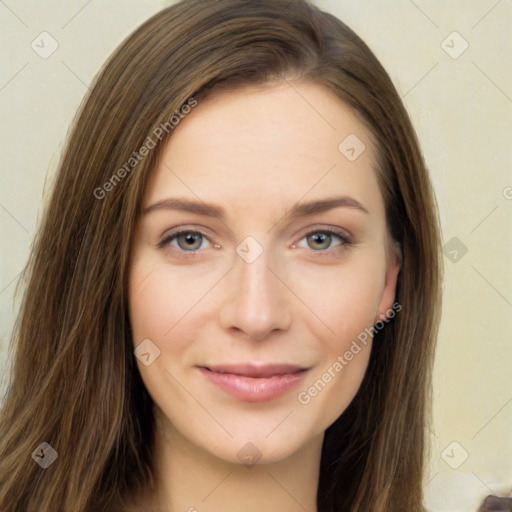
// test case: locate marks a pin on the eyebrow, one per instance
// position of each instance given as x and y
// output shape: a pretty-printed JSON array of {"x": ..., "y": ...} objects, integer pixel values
[{"x": 298, "y": 210}]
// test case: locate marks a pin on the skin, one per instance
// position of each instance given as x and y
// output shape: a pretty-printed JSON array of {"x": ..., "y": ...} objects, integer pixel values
[{"x": 256, "y": 152}]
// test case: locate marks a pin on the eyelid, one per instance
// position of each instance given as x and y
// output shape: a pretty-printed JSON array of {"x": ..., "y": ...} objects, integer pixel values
[{"x": 323, "y": 228}]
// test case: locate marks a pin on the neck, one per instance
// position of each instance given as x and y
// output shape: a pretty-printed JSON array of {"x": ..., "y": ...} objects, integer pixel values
[{"x": 189, "y": 479}]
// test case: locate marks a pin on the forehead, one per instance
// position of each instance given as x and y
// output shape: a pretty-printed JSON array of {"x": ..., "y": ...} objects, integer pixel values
[{"x": 282, "y": 141}]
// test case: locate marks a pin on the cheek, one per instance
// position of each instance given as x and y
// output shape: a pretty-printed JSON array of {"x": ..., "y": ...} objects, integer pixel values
[
  {"x": 150, "y": 304},
  {"x": 162, "y": 301},
  {"x": 338, "y": 383},
  {"x": 333, "y": 384},
  {"x": 161, "y": 309},
  {"x": 344, "y": 298}
]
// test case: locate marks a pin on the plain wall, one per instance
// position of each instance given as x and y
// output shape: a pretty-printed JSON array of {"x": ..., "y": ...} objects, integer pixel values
[{"x": 461, "y": 107}]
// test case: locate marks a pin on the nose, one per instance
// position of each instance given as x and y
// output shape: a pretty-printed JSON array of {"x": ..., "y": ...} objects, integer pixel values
[{"x": 257, "y": 302}]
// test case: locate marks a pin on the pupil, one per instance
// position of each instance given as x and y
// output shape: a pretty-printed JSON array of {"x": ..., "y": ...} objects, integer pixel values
[
  {"x": 320, "y": 238},
  {"x": 190, "y": 239}
]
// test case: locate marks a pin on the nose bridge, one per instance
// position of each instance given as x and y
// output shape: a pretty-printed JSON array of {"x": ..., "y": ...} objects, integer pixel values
[
  {"x": 258, "y": 302},
  {"x": 255, "y": 278},
  {"x": 256, "y": 286}
]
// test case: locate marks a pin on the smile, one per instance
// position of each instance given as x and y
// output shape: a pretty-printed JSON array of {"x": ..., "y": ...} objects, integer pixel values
[{"x": 254, "y": 383}]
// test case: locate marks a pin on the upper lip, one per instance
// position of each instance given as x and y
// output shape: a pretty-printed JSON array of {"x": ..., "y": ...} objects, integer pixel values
[{"x": 255, "y": 370}]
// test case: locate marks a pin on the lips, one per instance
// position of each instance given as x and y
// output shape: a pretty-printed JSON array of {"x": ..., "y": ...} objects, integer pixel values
[
  {"x": 256, "y": 371},
  {"x": 251, "y": 382}
]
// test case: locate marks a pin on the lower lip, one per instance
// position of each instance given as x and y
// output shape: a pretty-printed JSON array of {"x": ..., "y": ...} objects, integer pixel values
[{"x": 254, "y": 389}]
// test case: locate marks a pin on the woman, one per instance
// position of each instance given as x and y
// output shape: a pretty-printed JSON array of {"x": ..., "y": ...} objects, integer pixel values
[{"x": 233, "y": 299}]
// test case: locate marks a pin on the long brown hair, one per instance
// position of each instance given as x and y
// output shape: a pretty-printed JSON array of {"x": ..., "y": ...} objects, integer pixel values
[{"x": 74, "y": 383}]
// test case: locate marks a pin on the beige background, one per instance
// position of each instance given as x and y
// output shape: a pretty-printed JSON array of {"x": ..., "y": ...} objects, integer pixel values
[{"x": 462, "y": 110}]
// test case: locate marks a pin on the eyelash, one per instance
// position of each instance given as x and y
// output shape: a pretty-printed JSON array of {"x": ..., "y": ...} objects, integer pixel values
[{"x": 165, "y": 242}]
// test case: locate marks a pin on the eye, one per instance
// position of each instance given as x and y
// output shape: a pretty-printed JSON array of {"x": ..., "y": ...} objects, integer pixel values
[
  {"x": 184, "y": 241},
  {"x": 322, "y": 240}
]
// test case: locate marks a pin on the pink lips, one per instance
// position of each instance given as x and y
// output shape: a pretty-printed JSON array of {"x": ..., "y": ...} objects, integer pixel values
[{"x": 254, "y": 383}]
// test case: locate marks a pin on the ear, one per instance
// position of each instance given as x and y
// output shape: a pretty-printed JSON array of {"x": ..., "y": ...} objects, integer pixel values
[{"x": 387, "y": 299}]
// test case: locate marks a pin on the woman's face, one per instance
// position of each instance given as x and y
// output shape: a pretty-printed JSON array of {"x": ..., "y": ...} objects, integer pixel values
[{"x": 258, "y": 268}]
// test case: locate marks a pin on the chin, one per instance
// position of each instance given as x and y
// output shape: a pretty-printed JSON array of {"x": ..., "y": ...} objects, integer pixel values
[{"x": 257, "y": 448}]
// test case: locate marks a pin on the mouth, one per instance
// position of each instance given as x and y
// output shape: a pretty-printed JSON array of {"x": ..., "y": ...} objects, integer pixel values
[{"x": 254, "y": 382}]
